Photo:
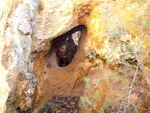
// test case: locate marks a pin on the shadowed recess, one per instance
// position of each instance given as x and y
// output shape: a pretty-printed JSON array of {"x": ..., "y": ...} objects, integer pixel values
[{"x": 66, "y": 46}]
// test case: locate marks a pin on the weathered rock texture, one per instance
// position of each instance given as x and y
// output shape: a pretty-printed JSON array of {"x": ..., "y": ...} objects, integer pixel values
[
  {"x": 29, "y": 63},
  {"x": 5, "y": 9}
]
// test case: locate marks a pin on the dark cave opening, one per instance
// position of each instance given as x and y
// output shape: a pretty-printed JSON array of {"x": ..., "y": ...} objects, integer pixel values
[
  {"x": 18, "y": 109},
  {"x": 66, "y": 46}
]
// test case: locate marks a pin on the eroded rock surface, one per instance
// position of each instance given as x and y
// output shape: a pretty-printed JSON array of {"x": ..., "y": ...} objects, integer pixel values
[
  {"x": 31, "y": 64},
  {"x": 31, "y": 25},
  {"x": 52, "y": 74},
  {"x": 24, "y": 91}
]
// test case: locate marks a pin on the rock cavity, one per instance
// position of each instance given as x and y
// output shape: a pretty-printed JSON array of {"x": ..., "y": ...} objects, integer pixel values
[
  {"x": 66, "y": 46},
  {"x": 63, "y": 69}
]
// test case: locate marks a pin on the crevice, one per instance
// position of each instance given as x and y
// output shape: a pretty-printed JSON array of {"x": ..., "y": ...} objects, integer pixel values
[{"x": 66, "y": 46}]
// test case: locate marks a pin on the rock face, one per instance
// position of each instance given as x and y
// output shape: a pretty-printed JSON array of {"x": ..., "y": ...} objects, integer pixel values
[
  {"x": 5, "y": 9},
  {"x": 18, "y": 49},
  {"x": 52, "y": 75},
  {"x": 24, "y": 91},
  {"x": 29, "y": 28},
  {"x": 31, "y": 61}
]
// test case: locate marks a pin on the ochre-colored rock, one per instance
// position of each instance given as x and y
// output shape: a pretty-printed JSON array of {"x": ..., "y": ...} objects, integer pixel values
[{"x": 29, "y": 60}]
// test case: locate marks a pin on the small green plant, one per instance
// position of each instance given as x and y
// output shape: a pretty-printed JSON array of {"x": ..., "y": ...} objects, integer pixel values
[
  {"x": 89, "y": 102},
  {"x": 94, "y": 57},
  {"x": 127, "y": 53}
]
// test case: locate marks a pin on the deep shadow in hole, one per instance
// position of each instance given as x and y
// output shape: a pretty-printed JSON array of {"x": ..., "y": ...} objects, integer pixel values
[{"x": 66, "y": 46}]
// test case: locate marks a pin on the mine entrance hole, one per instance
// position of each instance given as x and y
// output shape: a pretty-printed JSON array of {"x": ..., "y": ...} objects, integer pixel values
[{"x": 66, "y": 46}]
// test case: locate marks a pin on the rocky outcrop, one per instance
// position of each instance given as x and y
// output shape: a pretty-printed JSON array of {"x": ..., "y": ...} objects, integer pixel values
[
  {"x": 52, "y": 74},
  {"x": 24, "y": 91},
  {"x": 30, "y": 26},
  {"x": 29, "y": 56},
  {"x": 5, "y": 8},
  {"x": 18, "y": 48}
]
